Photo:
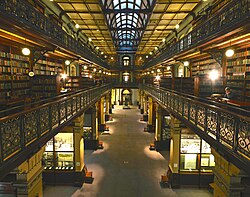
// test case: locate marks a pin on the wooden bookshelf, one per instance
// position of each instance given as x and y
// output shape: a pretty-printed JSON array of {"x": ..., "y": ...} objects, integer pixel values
[
  {"x": 72, "y": 83},
  {"x": 166, "y": 82},
  {"x": 203, "y": 86},
  {"x": 14, "y": 68},
  {"x": 45, "y": 86},
  {"x": 238, "y": 73},
  {"x": 86, "y": 82},
  {"x": 184, "y": 84},
  {"x": 48, "y": 66},
  {"x": 202, "y": 67}
]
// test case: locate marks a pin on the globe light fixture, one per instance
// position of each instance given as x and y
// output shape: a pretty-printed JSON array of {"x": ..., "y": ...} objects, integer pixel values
[
  {"x": 31, "y": 73},
  {"x": 26, "y": 51},
  {"x": 67, "y": 62},
  {"x": 229, "y": 52},
  {"x": 186, "y": 63},
  {"x": 213, "y": 75}
]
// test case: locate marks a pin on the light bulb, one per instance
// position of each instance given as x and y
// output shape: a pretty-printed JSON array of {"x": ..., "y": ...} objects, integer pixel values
[
  {"x": 26, "y": 51},
  {"x": 90, "y": 39},
  {"x": 31, "y": 74},
  {"x": 177, "y": 26},
  {"x": 94, "y": 69},
  {"x": 85, "y": 67},
  {"x": 229, "y": 52},
  {"x": 77, "y": 26},
  {"x": 157, "y": 77},
  {"x": 64, "y": 75},
  {"x": 186, "y": 63},
  {"x": 213, "y": 75}
]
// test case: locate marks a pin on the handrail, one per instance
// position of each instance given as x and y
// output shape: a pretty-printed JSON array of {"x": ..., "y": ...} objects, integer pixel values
[
  {"x": 225, "y": 130},
  {"x": 22, "y": 107},
  {"x": 19, "y": 131},
  {"x": 230, "y": 17},
  {"x": 207, "y": 101},
  {"x": 24, "y": 12}
]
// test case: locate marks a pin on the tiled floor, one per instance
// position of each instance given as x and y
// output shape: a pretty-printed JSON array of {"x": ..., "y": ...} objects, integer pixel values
[{"x": 125, "y": 167}]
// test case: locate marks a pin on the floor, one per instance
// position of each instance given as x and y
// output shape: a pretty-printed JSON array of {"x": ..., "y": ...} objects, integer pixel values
[{"x": 125, "y": 167}]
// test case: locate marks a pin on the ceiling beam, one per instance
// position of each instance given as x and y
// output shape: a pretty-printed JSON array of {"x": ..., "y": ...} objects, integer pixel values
[{"x": 109, "y": 11}]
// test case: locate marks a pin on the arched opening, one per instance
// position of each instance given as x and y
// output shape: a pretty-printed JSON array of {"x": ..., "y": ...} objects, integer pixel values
[{"x": 126, "y": 97}]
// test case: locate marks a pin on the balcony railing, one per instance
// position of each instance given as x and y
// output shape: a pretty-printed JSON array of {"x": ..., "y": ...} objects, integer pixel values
[
  {"x": 234, "y": 14},
  {"x": 20, "y": 131},
  {"x": 224, "y": 128},
  {"x": 25, "y": 14}
]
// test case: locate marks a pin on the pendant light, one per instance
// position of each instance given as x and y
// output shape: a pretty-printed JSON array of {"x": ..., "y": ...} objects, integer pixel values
[
  {"x": 177, "y": 25},
  {"x": 229, "y": 51},
  {"x": 26, "y": 51}
]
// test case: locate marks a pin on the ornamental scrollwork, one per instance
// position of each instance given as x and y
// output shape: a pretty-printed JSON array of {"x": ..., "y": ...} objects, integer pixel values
[
  {"x": 212, "y": 117},
  {"x": 30, "y": 126},
  {"x": 227, "y": 128},
  {"x": 244, "y": 138},
  {"x": 44, "y": 119},
  {"x": 11, "y": 136}
]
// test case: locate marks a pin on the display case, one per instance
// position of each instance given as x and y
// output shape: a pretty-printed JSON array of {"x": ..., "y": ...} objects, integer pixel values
[
  {"x": 195, "y": 154},
  {"x": 59, "y": 152},
  {"x": 87, "y": 133},
  {"x": 165, "y": 134}
]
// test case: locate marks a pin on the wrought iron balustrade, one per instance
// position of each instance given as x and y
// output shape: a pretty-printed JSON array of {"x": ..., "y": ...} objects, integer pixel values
[
  {"x": 19, "y": 131},
  {"x": 25, "y": 14},
  {"x": 234, "y": 14},
  {"x": 223, "y": 128}
]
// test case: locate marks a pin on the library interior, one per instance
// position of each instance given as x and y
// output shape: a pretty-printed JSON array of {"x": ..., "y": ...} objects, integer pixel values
[{"x": 103, "y": 98}]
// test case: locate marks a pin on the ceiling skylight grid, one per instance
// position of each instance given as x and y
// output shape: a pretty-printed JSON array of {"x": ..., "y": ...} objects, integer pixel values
[{"x": 127, "y": 20}]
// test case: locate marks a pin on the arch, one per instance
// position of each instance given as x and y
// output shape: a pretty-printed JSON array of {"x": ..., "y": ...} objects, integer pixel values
[{"x": 126, "y": 95}]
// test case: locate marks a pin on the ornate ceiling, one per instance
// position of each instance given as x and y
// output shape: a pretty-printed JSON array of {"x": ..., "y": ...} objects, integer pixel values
[{"x": 139, "y": 26}]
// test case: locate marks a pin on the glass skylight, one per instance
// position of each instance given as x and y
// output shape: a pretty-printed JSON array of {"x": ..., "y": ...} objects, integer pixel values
[{"x": 126, "y": 22}]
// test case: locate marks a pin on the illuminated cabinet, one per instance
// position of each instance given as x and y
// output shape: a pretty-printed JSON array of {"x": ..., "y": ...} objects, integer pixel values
[
  {"x": 59, "y": 153},
  {"x": 196, "y": 163}
]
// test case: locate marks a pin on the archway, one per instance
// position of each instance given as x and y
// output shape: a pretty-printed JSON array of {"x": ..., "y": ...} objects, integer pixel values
[{"x": 126, "y": 97}]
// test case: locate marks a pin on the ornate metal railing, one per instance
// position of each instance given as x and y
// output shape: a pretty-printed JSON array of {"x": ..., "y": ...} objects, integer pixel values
[
  {"x": 20, "y": 130},
  {"x": 224, "y": 129},
  {"x": 235, "y": 13},
  {"x": 24, "y": 13}
]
